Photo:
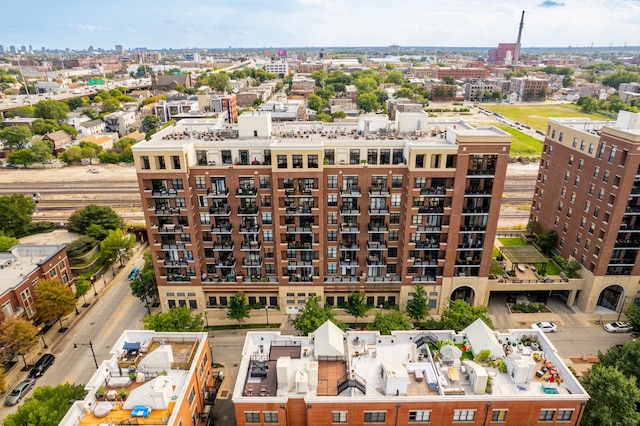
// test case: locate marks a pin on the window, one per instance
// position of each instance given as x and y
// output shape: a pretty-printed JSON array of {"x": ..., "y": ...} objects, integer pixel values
[
  {"x": 354, "y": 156},
  {"x": 393, "y": 252},
  {"x": 201, "y": 182},
  {"x": 590, "y": 148},
  {"x": 398, "y": 156},
  {"x": 192, "y": 395},
  {"x": 297, "y": 161},
  {"x": 267, "y": 219},
  {"x": 596, "y": 211},
  {"x": 267, "y": 235},
  {"x": 499, "y": 415},
  {"x": 564, "y": 415},
  {"x": 375, "y": 416},
  {"x": 419, "y": 416},
  {"x": 282, "y": 162},
  {"x": 312, "y": 161},
  {"x": 394, "y": 218},
  {"x": 396, "y": 199},
  {"x": 571, "y": 160},
  {"x": 265, "y": 200},
  {"x": 329, "y": 157},
  {"x": 577, "y": 181},
  {"x": 575, "y": 142},
  {"x": 332, "y": 182},
  {"x": 267, "y": 157},
  {"x": 160, "y": 163},
  {"x": 596, "y": 172},
  {"x": 601, "y": 151},
  {"x": 601, "y": 194},
  {"x": 332, "y": 200},
  {"x": 332, "y": 252},
  {"x": 612, "y": 154},
  {"x": 193, "y": 304},
  {"x": 252, "y": 417},
  {"x": 605, "y": 177},
  {"x": 560, "y": 137},
  {"x": 580, "y": 164},
  {"x": 592, "y": 187},
  {"x": 339, "y": 416},
  {"x": 421, "y": 182},
  {"x": 332, "y": 268},
  {"x": 372, "y": 156},
  {"x": 175, "y": 159},
  {"x": 587, "y": 206},
  {"x": 566, "y": 176},
  {"x": 332, "y": 218},
  {"x": 145, "y": 162},
  {"x": 265, "y": 182},
  {"x": 463, "y": 415},
  {"x": 332, "y": 235},
  {"x": 546, "y": 415},
  {"x": 393, "y": 235},
  {"x": 270, "y": 416},
  {"x": 396, "y": 181},
  {"x": 420, "y": 161}
]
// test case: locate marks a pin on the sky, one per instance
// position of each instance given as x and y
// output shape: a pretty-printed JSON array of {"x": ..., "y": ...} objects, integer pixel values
[{"x": 179, "y": 24}]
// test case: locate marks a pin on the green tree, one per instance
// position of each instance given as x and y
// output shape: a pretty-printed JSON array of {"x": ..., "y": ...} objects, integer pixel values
[
  {"x": 366, "y": 85},
  {"x": 449, "y": 80},
  {"x": 219, "y": 81},
  {"x": 624, "y": 358},
  {"x": 614, "y": 397},
  {"x": 314, "y": 102},
  {"x": 143, "y": 71},
  {"x": 23, "y": 111},
  {"x": 24, "y": 157},
  {"x": 83, "y": 285},
  {"x": 15, "y": 137},
  {"x": 150, "y": 125},
  {"x": 405, "y": 92},
  {"x": 356, "y": 305},
  {"x": 71, "y": 155},
  {"x": 7, "y": 242},
  {"x": 52, "y": 109},
  {"x": 144, "y": 286},
  {"x": 367, "y": 102},
  {"x": 313, "y": 316},
  {"x": 633, "y": 317},
  {"x": 93, "y": 214},
  {"x": 623, "y": 76},
  {"x": 47, "y": 406},
  {"x": 238, "y": 309},
  {"x": 459, "y": 315},
  {"x": 110, "y": 105},
  {"x": 395, "y": 77},
  {"x": 53, "y": 301},
  {"x": 418, "y": 308},
  {"x": 117, "y": 246},
  {"x": 42, "y": 151},
  {"x": 74, "y": 103},
  {"x": 15, "y": 214},
  {"x": 392, "y": 320},
  {"x": 175, "y": 319},
  {"x": 3, "y": 380},
  {"x": 533, "y": 227},
  {"x": 96, "y": 232},
  {"x": 18, "y": 336},
  {"x": 43, "y": 126},
  {"x": 547, "y": 241}
]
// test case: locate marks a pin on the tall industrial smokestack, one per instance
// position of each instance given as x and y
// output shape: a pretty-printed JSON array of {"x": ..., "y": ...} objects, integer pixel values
[{"x": 516, "y": 55}]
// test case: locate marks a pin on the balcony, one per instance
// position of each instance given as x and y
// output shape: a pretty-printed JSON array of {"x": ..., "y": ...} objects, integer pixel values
[
  {"x": 376, "y": 261},
  {"x": 223, "y": 193},
  {"x": 419, "y": 261},
  {"x": 180, "y": 262},
  {"x": 246, "y": 192},
  {"x": 248, "y": 211},
  {"x": 347, "y": 211},
  {"x": 424, "y": 279},
  {"x": 379, "y": 191},
  {"x": 377, "y": 228},
  {"x": 252, "y": 263},
  {"x": 220, "y": 211},
  {"x": 221, "y": 229},
  {"x": 179, "y": 277},
  {"x": 226, "y": 246},
  {"x": 437, "y": 191},
  {"x": 350, "y": 229},
  {"x": 428, "y": 229},
  {"x": 429, "y": 209},
  {"x": 252, "y": 246},
  {"x": 472, "y": 228},
  {"x": 298, "y": 229},
  {"x": 297, "y": 193},
  {"x": 481, "y": 172},
  {"x": 167, "y": 211},
  {"x": 300, "y": 263},
  {"x": 475, "y": 210},
  {"x": 173, "y": 246},
  {"x": 351, "y": 192},
  {"x": 423, "y": 245},
  {"x": 164, "y": 193},
  {"x": 376, "y": 245},
  {"x": 228, "y": 262},
  {"x": 298, "y": 246},
  {"x": 336, "y": 280},
  {"x": 347, "y": 261},
  {"x": 300, "y": 211},
  {"x": 249, "y": 229},
  {"x": 170, "y": 229},
  {"x": 476, "y": 190},
  {"x": 350, "y": 246},
  {"x": 379, "y": 212}
]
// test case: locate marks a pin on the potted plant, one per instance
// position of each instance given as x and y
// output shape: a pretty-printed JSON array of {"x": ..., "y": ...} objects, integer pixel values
[
  {"x": 122, "y": 393},
  {"x": 100, "y": 391}
]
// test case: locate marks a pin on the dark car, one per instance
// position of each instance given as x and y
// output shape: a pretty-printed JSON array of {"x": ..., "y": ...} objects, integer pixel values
[
  {"x": 42, "y": 365},
  {"x": 19, "y": 391}
]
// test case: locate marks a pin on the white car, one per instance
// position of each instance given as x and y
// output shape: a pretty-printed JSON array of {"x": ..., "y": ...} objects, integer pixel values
[
  {"x": 618, "y": 327},
  {"x": 547, "y": 327}
]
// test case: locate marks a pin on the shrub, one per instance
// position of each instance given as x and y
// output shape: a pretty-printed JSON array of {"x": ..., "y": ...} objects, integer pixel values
[
  {"x": 40, "y": 227},
  {"x": 80, "y": 246},
  {"x": 528, "y": 307}
]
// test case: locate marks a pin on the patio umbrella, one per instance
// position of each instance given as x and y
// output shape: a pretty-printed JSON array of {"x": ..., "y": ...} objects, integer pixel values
[{"x": 450, "y": 352}]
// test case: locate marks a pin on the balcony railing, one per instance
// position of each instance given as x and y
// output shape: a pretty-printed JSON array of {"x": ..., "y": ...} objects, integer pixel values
[
  {"x": 438, "y": 190},
  {"x": 164, "y": 193},
  {"x": 298, "y": 246},
  {"x": 247, "y": 192},
  {"x": 376, "y": 261},
  {"x": 220, "y": 211},
  {"x": 222, "y": 229},
  {"x": 350, "y": 246},
  {"x": 253, "y": 246},
  {"x": 298, "y": 229},
  {"x": 375, "y": 228},
  {"x": 224, "y": 193},
  {"x": 382, "y": 211},
  {"x": 249, "y": 229},
  {"x": 351, "y": 192},
  {"x": 225, "y": 246},
  {"x": 170, "y": 229},
  {"x": 348, "y": 261},
  {"x": 350, "y": 229},
  {"x": 379, "y": 191},
  {"x": 346, "y": 211},
  {"x": 376, "y": 245},
  {"x": 246, "y": 211},
  {"x": 168, "y": 211}
]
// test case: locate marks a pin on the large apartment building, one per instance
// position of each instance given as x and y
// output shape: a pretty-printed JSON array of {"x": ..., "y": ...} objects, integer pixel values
[
  {"x": 588, "y": 191},
  {"x": 409, "y": 377},
  {"x": 285, "y": 211}
]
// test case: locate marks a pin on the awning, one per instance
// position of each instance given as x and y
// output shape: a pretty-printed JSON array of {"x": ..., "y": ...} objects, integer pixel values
[{"x": 134, "y": 346}]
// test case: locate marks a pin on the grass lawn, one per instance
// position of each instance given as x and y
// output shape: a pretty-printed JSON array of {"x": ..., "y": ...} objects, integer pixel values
[
  {"x": 537, "y": 116},
  {"x": 512, "y": 242},
  {"x": 522, "y": 145}
]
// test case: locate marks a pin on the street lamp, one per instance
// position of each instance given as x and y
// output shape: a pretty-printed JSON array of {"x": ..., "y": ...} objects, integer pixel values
[
  {"x": 44, "y": 344},
  {"x": 266, "y": 311},
  {"x": 113, "y": 272},
  {"x": 90, "y": 345},
  {"x": 622, "y": 306}
]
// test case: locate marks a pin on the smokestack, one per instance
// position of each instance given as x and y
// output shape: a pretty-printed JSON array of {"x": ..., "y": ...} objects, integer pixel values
[{"x": 516, "y": 55}]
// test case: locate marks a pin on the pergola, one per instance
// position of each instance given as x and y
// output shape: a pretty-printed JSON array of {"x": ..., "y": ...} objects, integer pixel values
[{"x": 524, "y": 254}]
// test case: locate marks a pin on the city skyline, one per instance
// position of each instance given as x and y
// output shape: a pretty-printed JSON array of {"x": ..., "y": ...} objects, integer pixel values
[{"x": 253, "y": 24}]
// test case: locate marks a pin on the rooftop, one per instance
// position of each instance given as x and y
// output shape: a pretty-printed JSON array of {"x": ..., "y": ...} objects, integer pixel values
[
  {"x": 17, "y": 264},
  {"x": 151, "y": 369},
  {"x": 408, "y": 365}
]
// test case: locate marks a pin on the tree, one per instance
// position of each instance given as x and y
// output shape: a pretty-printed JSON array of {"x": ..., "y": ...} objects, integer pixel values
[
  {"x": 368, "y": 102},
  {"x": 459, "y": 315},
  {"x": 624, "y": 358},
  {"x": 15, "y": 214},
  {"x": 92, "y": 214},
  {"x": 15, "y": 137},
  {"x": 238, "y": 309},
  {"x": 144, "y": 286},
  {"x": 356, "y": 305},
  {"x": 7, "y": 242},
  {"x": 47, "y": 406},
  {"x": 614, "y": 397},
  {"x": 74, "y": 103},
  {"x": 71, "y": 155},
  {"x": 449, "y": 80},
  {"x": 18, "y": 336},
  {"x": 547, "y": 241},
  {"x": 533, "y": 227},
  {"x": 313, "y": 316},
  {"x": 143, "y": 70},
  {"x": 24, "y": 157},
  {"x": 96, "y": 232},
  {"x": 633, "y": 317},
  {"x": 82, "y": 288},
  {"x": 588, "y": 104},
  {"x": 42, "y": 151},
  {"x": 392, "y": 320},
  {"x": 110, "y": 105},
  {"x": 23, "y": 111},
  {"x": 219, "y": 81},
  {"x": 417, "y": 309},
  {"x": 53, "y": 301},
  {"x": 117, "y": 246},
  {"x": 52, "y": 109},
  {"x": 395, "y": 77},
  {"x": 150, "y": 125},
  {"x": 42, "y": 126},
  {"x": 175, "y": 319},
  {"x": 314, "y": 102},
  {"x": 3, "y": 381}
]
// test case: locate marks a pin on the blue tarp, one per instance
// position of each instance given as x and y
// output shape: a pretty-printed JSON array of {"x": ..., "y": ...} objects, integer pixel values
[{"x": 133, "y": 346}]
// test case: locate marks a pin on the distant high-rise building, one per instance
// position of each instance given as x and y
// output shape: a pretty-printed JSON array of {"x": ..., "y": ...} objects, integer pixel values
[
  {"x": 2, "y": 49},
  {"x": 30, "y": 48},
  {"x": 119, "y": 49},
  {"x": 23, "y": 48},
  {"x": 12, "y": 49},
  {"x": 90, "y": 49}
]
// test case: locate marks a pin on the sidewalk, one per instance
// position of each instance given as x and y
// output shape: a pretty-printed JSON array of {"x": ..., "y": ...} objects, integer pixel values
[{"x": 47, "y": 342}]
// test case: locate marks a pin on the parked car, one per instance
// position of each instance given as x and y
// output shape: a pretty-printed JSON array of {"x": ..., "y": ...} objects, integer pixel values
[
  {"x": 42, "y": 365},
  {"x": 134, "y": 273},
  {"x": 547, "y": 327},
  {"x": 19, "y": 391},
  {"x": 618, "y": 327}
]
